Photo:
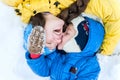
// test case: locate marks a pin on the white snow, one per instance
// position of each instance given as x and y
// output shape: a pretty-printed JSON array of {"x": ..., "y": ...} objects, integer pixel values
[{"x": 12, "y": 55}]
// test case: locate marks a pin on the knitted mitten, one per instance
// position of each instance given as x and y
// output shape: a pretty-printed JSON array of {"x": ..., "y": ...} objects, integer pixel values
[{"x": 36, "y": 40}]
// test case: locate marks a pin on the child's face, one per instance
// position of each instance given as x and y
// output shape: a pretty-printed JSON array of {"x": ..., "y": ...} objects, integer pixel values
[{"x": 53, "y": 30}]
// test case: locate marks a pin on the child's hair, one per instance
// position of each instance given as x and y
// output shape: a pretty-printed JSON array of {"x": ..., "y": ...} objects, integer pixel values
[
  {"x": 67, "y": 14},
  {"x": 37, "y": 20}
]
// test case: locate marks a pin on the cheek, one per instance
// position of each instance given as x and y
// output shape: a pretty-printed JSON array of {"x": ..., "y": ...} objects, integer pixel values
[
  {"x": 48, "y": 36},
  {"x": 51, "y": 37},
  {"x": 51, "y": 42}
]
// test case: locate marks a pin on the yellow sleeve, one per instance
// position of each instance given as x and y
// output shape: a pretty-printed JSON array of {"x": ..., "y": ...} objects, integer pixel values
[
  {"x": 13, "y": 3},
  {"x": 109, "y": 12},
  {"x": 112, "y": 37}
]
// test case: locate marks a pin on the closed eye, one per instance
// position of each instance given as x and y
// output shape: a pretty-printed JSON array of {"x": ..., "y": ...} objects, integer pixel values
[{"x": 58, "y": 31}]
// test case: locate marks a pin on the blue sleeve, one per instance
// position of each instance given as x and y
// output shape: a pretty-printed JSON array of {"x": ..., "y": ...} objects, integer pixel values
[
  {"x": 89, "y": 70},
  {"x": 26, "y": 34},
  {"x": 41, "y": 66}
]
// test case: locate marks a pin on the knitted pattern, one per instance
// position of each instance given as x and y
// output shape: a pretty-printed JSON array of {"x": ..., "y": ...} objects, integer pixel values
[{"x": 36, "y": 40}]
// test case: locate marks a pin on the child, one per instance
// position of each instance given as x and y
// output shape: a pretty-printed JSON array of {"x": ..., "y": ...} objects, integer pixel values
[
  {"x": 107, "y": 10},
  {"x": 61, "y": 65}
]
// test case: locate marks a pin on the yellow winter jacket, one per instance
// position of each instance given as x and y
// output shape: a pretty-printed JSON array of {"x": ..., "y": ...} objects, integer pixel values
[
  {"x": 109, "y": 12},
  {"x": 13, "y": 3},
  {"x": 28, "y": 8}
]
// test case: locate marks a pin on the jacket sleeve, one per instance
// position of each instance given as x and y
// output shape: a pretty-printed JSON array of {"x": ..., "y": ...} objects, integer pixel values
[
  {"x": 108, "y": 11},
  {"x": 89, "y": 70},
  {"x": 26, "y": 34},
  {"x": 13, "y": 3},
  {"x": 40, "y": 66}
]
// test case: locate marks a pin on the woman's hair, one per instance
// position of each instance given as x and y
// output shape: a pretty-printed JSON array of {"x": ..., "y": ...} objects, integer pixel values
[
  {"x": 73, "y": 11},
  {"x": 67, "y": 14}
]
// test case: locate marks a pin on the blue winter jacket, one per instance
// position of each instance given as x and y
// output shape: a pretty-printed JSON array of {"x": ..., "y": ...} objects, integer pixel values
[{"x": 70, "y": 66}]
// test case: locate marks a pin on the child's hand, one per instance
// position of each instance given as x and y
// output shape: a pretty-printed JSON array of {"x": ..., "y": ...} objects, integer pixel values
[
  {"x": 36, "y": 40},
  {"x": 67, "y": 36}
]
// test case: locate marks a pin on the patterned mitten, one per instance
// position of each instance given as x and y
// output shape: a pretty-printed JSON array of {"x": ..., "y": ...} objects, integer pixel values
[{"x": 36, "y": 40}]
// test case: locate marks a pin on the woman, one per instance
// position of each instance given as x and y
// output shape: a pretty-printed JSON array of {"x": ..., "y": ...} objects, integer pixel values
[{"x": 58, "y": 64}]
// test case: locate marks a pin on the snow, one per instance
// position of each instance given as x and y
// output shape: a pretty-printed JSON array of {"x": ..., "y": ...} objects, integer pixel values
[{"x": 13, "y": 65}]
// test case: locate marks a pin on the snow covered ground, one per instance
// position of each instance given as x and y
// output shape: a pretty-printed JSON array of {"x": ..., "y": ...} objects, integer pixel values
[{"x": 12, "y": 58}]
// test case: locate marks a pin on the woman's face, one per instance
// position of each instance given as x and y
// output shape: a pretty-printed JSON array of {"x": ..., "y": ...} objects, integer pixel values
[{"x": 53, "y": 30}]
